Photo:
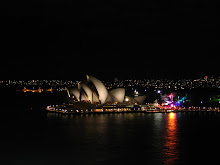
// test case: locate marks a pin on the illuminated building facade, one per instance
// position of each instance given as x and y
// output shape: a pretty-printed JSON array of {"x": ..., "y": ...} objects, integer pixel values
[{"x": 94, "y": 91}]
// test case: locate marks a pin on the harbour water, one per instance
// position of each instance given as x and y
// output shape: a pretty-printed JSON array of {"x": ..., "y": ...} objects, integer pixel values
[{"x": 37, "y": 137}]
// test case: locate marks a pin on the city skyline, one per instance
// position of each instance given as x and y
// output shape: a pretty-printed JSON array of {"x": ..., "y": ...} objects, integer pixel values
[{"x": 178, "y": 84}]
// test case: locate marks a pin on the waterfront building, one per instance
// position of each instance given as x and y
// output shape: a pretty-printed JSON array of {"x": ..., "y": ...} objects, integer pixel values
[{"x": 94, "y": 91}]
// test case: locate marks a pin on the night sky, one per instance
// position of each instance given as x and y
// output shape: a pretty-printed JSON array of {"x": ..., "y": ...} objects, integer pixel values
[{"x": 44, "y": 39}]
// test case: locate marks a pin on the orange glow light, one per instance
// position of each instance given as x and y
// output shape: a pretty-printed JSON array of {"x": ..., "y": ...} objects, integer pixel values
[{"x": 171, "y": 140}]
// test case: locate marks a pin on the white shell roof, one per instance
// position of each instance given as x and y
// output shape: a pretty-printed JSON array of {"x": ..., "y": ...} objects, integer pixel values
[
  {"x": 101, "y": 94},
  {"x": 88, "y": 92},
  {"x": 76, "y": 93},
  {"x": 102, "y": 91},
  {"x": 118, "y": 95},
  {"x": 140, "y": 99}
]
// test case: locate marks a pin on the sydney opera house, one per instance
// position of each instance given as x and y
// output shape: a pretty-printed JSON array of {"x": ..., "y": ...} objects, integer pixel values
[{"x": 94, "y": 91}]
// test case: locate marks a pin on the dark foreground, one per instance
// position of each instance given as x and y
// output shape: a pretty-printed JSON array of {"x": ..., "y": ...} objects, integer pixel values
[{"x": 39, "y": 138}]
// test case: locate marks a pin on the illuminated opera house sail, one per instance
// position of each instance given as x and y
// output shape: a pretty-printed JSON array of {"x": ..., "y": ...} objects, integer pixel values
[{"x": 94, "y": 91}]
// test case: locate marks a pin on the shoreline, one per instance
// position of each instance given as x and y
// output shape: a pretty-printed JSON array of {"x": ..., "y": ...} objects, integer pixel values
[{"x": 117, "y": 112}]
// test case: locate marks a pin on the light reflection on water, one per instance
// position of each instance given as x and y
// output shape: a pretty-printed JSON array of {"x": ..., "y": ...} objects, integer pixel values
[
  {"x": 132, "y": 138},
  {"x": 159, "y": 131},
  {"x": 171, "y": 141}
]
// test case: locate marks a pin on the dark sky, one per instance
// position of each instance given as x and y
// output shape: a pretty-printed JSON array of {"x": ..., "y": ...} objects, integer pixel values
[{"x": 68, "y": 39}]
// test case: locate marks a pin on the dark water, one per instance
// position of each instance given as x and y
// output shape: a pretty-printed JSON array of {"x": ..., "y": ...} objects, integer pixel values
[{"x": 38, "y": 138}]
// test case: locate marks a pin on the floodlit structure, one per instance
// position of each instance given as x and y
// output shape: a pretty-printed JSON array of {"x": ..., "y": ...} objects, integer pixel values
[
  {"x": 116, "y": 95},
  {"x": 94, "y": 91},
  {"x": 102, "y": 92},
  {"x": 135, "y": 100}
]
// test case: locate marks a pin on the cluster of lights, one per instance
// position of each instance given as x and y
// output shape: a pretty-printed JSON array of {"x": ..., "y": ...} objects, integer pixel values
[{"x": 146, "y": 83}]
